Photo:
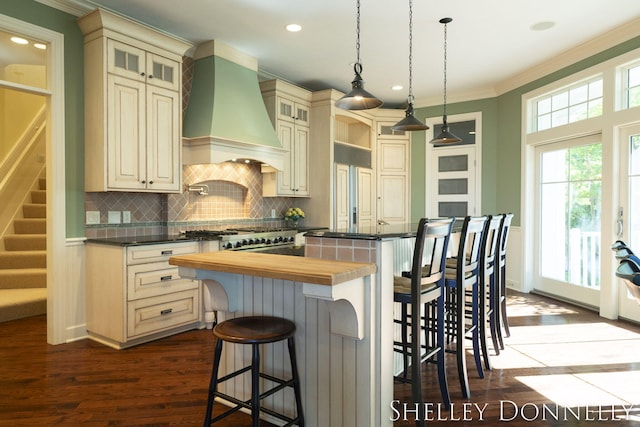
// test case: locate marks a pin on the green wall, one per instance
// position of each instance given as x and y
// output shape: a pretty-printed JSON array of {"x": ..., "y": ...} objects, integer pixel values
[
  {"x": 501, "y": 139},
  {"x": 489, "y": 110},
  {"x": 55, "y": 20}
]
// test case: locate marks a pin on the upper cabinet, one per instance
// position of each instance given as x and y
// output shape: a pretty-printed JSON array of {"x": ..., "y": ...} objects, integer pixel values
[
  {"x": 288, "y": 107},
  {"x": 133, "y": 119}
]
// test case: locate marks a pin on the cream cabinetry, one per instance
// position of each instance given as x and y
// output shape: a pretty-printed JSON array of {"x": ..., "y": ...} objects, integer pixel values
[
  {"x": 134, "y": 295},
  {"x": 288, "y": 107},
  {"x": 341, "y": 153},
  {"x": 393, "y": 174},
  {"x": 132, "y": 106}
]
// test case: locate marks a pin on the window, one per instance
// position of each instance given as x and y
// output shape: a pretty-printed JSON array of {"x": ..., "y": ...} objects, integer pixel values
[
  {"x": 578, "y": 102},
  {"x": 631, "y": 85}
]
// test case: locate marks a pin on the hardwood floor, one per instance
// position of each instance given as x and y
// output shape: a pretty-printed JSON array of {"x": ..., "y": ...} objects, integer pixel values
[{"x": 558, "y": 355}]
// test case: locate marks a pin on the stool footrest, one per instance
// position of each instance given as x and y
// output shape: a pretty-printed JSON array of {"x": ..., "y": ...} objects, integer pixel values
[{"x": 247, "y": 405}]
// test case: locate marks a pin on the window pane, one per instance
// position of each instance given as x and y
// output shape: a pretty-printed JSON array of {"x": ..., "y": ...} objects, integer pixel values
[
  {"x": 560, "y": 100},
  {"x": 452, "y": 186},
  {"x": 634, "y": 97},
  {"x": 578, "y": 95},
  {"x": 634, "y": 155},
  {"x": 544, "y": 106},
  {"x": 634, "y": 76},
  {"x": 554, "y": 166},
  {"x": 544, "y": 122},
  {"x": 595, "y": 89},
  {"x": 560, "y": 118},
  {"x": 457, "y": 209},
  {"x": 595, "y": 108},
  {"x": 578, "y": 112},
  {"x": 570, "y": 213},
  {"x": 453, "y": 163}
]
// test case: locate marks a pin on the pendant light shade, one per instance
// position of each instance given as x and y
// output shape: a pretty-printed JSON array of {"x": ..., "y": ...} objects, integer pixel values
[
  {"x": 358, "y": 98},
  {"x": 445, "y": 137},
  {"x": 410, "y": 123}
]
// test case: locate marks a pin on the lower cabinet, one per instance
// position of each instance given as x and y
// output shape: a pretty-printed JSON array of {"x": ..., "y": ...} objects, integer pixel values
[{"x": 135, "y": 296}]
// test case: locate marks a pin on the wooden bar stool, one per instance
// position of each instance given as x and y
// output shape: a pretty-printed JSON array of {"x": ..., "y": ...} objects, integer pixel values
[{"x": 255, "y": 330}]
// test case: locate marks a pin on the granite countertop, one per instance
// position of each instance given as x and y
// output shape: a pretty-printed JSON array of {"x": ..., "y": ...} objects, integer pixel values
[
  {"x": 373, "y": 232},
  {"x": 143, "y": 240}
]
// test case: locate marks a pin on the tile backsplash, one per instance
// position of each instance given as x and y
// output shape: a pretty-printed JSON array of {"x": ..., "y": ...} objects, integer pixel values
[{"x": 234, "y": 198}]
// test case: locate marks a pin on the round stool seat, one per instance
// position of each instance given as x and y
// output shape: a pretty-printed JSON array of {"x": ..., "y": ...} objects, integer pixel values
[{"x": 254, "y": 329}]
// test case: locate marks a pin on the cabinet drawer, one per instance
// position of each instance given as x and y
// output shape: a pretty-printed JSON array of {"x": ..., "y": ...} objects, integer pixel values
[
  {"x": 156, "y": 278},
  {"x": 155, "y": 314},
  {"x": 161, "y": 252}
]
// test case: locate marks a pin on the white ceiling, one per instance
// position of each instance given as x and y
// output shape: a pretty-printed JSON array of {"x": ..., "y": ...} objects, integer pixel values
[{"x": 490, "y": 42}]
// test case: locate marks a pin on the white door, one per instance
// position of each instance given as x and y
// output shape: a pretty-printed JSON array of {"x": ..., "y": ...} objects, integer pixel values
[
  {"x": 568, "y": 220},
  {"x": 393, "y": 181},
  {"x": 628, "y": 229},
  {"x": 365, "y": 195},
  {"x": 454, "y": 183}
]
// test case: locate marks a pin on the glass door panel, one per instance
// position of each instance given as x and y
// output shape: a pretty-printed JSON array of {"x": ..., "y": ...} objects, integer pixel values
[
  {"x": 569, "y": 205},
  {"x": 629, "y": 211}
]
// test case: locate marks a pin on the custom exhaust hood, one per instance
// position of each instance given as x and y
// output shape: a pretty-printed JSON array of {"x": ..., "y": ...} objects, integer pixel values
[{"x": 226, "y": 118}]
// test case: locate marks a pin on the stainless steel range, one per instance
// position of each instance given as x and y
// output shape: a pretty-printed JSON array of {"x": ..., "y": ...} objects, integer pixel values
[
  {"x": 254, "y": 239},
  {"x": 258, "y": 239}
]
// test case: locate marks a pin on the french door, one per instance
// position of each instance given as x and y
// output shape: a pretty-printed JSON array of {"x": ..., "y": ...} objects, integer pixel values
[
  {"x": 628, "y": 215},
  {"x": 568, "y": 225}
]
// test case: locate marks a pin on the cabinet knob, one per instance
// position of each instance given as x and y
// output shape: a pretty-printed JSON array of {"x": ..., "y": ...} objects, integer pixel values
[
  {"x": 151, "y": 182},
  {"x": 143, "y": 181},
  {"x": 142, "y": 74},
  {"x": 150, "y": 76}
]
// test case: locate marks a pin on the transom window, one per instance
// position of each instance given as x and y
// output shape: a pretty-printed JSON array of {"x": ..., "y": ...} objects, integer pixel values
[
  {"x": 577, "y": 102},
  {"x": 631, "y": 85}
]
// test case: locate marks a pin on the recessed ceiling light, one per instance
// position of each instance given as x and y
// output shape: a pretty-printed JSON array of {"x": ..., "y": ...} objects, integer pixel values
[
  {"x": 19, "y": 40},
  {"x": 40, "y": 46},
  {"x": 543, "y": 25},
  {"x": 396, "y": 87},
  {"x": 294, "y": 28}
]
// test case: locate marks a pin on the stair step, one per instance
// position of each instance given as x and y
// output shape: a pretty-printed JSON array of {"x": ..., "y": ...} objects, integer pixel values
[
  {"x": 32, "y": 210},
  {"x": 39, "y": 196},
  {"x": 30, "y": 225},
  {"x": 42, "y": 183},
  {"x": 23, "y": 278},
  {"x": 25, "y": 242},
  {"x": 23, "y": 259},
  {"x": 21, "y": 303}
]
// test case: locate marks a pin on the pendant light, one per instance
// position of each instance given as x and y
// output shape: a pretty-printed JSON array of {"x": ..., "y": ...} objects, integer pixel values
[
  {"x": 445, "y": 137},
  {"x": 358, "y": 98},
  {"x": 410, "y": 123}
]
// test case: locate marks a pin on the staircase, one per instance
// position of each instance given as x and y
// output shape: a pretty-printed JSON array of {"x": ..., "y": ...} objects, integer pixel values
[{"x": 23, "y": 263}]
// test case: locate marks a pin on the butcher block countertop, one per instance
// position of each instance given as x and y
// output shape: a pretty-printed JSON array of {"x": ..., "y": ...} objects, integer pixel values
[{"x": 284, "y": 267}]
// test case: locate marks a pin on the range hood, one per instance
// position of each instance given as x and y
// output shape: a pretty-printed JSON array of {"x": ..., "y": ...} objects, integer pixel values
[{"x": 226, "y": 118}]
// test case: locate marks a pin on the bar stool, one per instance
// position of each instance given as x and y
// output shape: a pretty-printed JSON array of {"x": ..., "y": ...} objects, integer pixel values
[
  {"x": 501, "y": 295},
  {"x": 254, "y": 330},
  {"x": 488, "y": 274},
  {"x": 462, "y": 299},
  {"x": 422, "y": 289}
]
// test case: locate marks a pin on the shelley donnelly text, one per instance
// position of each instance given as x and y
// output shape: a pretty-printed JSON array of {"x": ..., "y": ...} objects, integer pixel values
[{"x": 509, "y": 411}]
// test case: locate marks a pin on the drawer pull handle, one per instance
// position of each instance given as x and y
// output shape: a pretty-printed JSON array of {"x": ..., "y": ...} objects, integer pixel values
[
  {"x": 165, "y": 278},
  {"x": 166, "y": 311},
  {"x": 167, "y": 252}
]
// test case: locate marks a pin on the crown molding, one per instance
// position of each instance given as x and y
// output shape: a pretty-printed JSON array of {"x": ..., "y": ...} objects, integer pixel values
[
  {"x": 72, "y": 7},
  {"x": 473, "y": 95},
  {"x": 591, "y": 47}
]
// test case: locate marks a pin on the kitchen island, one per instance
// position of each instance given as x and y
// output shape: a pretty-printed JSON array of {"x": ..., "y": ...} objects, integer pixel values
[{"x": 336, "y": 306}]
